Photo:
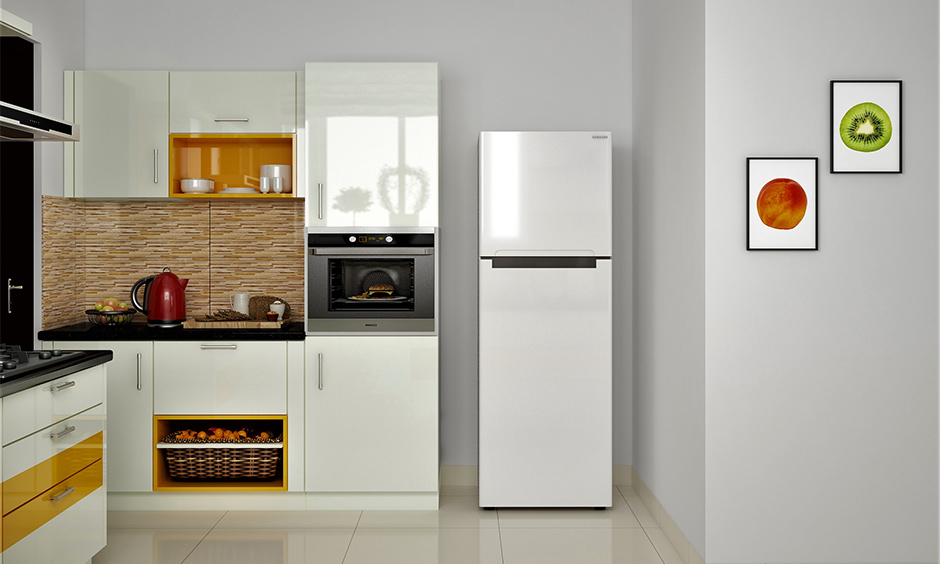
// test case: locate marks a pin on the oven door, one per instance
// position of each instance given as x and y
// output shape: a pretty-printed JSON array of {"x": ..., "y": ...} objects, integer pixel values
[{"x": 342, "y": 295}]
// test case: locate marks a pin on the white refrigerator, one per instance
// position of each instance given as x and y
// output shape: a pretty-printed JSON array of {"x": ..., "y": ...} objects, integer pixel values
[{"x": 545, "y": 406}]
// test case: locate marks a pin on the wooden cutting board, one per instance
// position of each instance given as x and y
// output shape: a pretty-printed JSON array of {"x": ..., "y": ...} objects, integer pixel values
[{"x": 253, "y": 324}]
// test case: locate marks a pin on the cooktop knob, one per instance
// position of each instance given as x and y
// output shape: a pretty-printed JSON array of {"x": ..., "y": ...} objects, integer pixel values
[
  {"x": 9, "y": 364},
  {"x": 45, "y": 355},
  {"x": 56, "y": 352}
]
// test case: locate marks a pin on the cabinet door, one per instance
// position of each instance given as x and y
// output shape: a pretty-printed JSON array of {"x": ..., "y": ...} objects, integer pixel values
[
  {"x": 372, "y": 414},
  {"x": 233, "y": 102},
  {"x": 128, "y": 442},
  {"x": 220, "y": 378},
  {"x": 372, "y": 144},
  {"x": 124, "y": 151}
]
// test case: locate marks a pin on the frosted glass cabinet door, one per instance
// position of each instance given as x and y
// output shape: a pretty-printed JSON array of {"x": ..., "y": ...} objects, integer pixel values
[
  {"x": 371, "y": 414},
  {"x": 233, "y": 102},
  {"x": 129, "y": 412},
  {"x": 124, "y": 151},
  {"x": 372, "y": 144}
]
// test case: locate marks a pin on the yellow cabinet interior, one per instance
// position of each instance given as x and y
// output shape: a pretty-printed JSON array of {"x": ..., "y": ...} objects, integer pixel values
[
  {"x": 230, "y": 160},
  {"x": 165, "y": 424}
]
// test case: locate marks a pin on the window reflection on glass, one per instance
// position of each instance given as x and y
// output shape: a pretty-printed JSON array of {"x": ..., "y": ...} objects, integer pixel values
[{"x": 383, "y": 169}]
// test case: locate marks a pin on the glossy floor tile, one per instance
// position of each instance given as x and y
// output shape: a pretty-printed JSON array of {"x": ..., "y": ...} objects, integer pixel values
[{"x": 459, "y": 533}]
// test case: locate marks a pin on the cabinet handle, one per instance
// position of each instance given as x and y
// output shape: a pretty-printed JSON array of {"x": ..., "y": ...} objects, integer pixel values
[
  {"x": 156, "y": 166},
  {"x": 61, "y": 387},
  {"x": 63, "y": 494},
  {"x": 320, "y": 371},
  {"x": 11, "y": 287},
  {"x": 61, "y": 434},
  {"x": 138, "y": 371},
  {"x": 319, "y": 200},
  {"x": 230, "y": 119},
  {"x": 218, "y": 347}
]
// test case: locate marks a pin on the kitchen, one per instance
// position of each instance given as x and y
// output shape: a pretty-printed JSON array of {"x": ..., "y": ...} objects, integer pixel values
[{"x": 500, "y": 84}]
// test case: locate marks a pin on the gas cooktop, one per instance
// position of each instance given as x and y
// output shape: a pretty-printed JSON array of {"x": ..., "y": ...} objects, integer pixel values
[{"x": 17, "y": 363}]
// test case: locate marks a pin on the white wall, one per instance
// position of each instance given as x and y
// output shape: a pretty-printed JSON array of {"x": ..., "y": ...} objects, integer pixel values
[
  {"x": 503, "y": 65},
  {"x": 669, "y": 204},
  {"x": 821, "y": 367}
]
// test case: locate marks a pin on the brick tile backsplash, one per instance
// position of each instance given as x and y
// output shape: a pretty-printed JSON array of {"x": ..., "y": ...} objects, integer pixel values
[{"x": 93, "y": 249}]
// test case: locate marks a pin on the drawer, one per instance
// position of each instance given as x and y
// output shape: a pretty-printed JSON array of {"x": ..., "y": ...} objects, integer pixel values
[
  {"x": 57, "y": 460},
  {"x": 220, "y": 378},
  {"x": 72, "y": 537},
  {"x": 18, "y": 524},
  {"x": 37, "y": 408}
]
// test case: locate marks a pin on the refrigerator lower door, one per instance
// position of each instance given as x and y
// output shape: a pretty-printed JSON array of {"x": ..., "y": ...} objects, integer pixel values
[{"x": 545, "y": 422}]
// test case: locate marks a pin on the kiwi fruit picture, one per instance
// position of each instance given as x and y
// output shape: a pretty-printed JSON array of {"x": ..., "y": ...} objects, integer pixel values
[{"x": 866, "y": 127}]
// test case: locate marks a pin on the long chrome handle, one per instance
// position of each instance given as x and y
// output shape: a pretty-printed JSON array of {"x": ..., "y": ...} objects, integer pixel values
[
  {"x": 138, "y": 371},
  {"x": 156, "y": 166},
  {"x": 63, "y": 494},
  {"x": 319, "y": 200},
  {"x": 320, "y": 371},
  {"x": 61, "y": 387},
  {"x": 61, "y": 434},
  {"x": 218, "y": 347},
  {"x": 231, "y": 119},
  {"x": 10, "y": 288}
]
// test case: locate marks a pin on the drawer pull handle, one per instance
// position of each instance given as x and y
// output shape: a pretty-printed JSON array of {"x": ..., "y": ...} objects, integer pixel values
[
  {"x": 230, "y": 119},
  {"x": 61, "y": 387},
  {"x": 138, "y": 371},
  {"x": 218, "y": 347},
  {"x": 63, "y": 494},
  {"x": 61, "y": 434}
]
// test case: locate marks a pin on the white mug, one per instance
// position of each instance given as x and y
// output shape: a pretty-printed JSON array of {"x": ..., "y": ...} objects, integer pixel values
[{"x": 239, "y": 302}]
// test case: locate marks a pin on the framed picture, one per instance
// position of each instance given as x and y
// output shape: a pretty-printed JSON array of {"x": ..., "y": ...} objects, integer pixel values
[
  {"x": 865, "y": 126},
  {"x": 781, "y": 203}
]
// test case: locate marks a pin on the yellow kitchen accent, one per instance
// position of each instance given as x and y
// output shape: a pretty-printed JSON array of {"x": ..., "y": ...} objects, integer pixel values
[{"x": 230, "y": 160}]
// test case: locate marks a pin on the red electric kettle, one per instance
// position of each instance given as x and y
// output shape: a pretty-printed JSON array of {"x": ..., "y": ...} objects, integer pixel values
[{"x": 164, "y": 299}]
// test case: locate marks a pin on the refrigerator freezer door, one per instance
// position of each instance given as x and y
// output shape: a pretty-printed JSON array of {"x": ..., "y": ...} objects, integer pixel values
[
  {"x": 545, "y": 191},
  {"x": 545, "y": 430}
]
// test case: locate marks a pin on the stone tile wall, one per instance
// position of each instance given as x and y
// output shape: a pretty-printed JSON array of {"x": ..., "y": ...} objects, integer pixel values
[{"x": 94, "y": 249}]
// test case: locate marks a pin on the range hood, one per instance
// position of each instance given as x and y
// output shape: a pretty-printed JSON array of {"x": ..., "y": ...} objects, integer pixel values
[{"x": 20, "y": 124}]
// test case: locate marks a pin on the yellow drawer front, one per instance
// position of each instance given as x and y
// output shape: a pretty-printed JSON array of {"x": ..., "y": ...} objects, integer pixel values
[
  {"x": 28, "y": 484},
  {"x": 20, "y": 523}
]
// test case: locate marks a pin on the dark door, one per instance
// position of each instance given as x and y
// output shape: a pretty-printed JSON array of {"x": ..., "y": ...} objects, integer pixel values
[{"x": 17, "y": 185}]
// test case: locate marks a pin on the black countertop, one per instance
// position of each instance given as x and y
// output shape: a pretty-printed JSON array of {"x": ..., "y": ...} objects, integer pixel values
[
  {"x": 139, "y": 331},
  {"x": 54, "y": 372}
]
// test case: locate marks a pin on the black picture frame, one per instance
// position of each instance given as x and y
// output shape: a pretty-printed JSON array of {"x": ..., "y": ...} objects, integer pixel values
[
  {"x": 848, "y": 95},
  {"x": 777, "y": 225}
]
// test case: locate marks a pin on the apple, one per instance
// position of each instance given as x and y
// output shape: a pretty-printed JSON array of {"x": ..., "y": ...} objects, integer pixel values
[
  {"x": 122, "y": 305},
  {"x": 111, "y": 302},
  {"x": 99, "y": 305},
  {"x": 107, "y": 308},
  {"x": 119, "y": 307}
]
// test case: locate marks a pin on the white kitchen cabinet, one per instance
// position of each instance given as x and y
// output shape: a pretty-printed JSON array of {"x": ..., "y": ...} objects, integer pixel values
[
  {"x": 220, "y": 378},
  {"x": 372, "y": 414},
  {"x": 123, "y": 118},
  {"x": 233, "y": 102},
  {"x": 130, "y": 412},
  {"x": 372, "y": 144}
]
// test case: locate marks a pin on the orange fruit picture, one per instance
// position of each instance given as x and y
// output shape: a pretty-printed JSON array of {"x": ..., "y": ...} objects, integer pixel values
[{"x": 781, "y": 203}]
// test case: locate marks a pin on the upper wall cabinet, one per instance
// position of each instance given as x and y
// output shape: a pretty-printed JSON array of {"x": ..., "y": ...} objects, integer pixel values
[
  {"x": 123, "y": 152},
  {"x": 372, "y": 144},
  {"x": 233, "y": 102}
]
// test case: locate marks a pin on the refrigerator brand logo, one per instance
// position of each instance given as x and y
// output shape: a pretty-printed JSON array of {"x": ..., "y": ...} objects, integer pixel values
[{"x": 598, "y": 137}]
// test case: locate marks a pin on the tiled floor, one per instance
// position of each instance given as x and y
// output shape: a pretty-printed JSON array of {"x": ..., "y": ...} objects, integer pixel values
[{"x": 459, "y": 533}]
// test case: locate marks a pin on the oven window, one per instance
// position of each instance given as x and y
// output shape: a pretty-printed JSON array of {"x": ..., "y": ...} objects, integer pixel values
[{"x": 363, "y": 284}]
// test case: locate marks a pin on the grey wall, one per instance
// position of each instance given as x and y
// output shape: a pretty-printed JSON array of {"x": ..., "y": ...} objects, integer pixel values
[
  {"x": 503, "y": 65},
  {"x": 669, "y": 294},
  {"x": 821, "y": 367}
]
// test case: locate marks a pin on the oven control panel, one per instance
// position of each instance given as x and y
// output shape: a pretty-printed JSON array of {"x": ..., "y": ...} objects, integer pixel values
[
  {"x": 371, "y": 239},
  {"x": 315, "y": 240}
]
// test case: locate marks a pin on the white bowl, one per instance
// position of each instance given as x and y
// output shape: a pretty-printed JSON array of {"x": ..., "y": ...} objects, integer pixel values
[{"x": 197, "y": 185}]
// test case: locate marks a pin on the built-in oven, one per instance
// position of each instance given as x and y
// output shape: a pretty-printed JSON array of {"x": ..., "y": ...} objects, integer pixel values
[{"x": 371, "y": 280}]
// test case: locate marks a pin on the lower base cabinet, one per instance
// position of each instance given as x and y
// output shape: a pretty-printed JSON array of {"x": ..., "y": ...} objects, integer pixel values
[{"x": 371, "y": 414}]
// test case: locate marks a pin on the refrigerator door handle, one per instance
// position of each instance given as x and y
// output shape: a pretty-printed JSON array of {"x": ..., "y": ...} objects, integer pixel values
[{"x": 545, "y": 262}]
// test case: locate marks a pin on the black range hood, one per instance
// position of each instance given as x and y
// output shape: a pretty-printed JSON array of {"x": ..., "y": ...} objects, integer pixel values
[{"x": 20, "y": 124}]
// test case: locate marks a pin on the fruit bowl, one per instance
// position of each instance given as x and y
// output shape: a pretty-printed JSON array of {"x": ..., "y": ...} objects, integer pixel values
[{"x": 98, "y": 317}]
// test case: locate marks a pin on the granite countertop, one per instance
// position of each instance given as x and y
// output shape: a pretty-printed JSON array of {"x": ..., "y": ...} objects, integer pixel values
[
  {"x": 139, "y": 331},
  {"x": 88, "y": 360}
]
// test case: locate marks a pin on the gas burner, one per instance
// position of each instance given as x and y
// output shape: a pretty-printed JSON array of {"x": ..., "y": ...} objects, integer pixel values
[{"x": 16, "y": 363}]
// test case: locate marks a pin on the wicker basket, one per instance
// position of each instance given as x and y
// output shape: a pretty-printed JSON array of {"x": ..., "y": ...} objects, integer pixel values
[{"x": 253, "y": 461}]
